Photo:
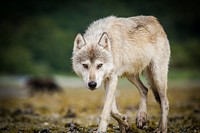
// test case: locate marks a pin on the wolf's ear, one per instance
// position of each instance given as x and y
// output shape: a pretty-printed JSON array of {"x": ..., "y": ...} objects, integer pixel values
[
  {"x": 79, "y": 42},
  {"x": 104, "y": 41}
]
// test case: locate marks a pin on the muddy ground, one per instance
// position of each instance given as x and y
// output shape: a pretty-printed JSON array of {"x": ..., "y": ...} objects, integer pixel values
[{"x": 77, "y": 110}]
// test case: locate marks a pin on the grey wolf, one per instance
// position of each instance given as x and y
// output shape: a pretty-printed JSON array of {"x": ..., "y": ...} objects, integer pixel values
[{"x": 114, "y": 46}]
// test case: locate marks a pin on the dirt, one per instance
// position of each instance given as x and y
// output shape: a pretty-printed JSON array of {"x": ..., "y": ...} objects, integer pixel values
[{"x": 77, "y": 111}]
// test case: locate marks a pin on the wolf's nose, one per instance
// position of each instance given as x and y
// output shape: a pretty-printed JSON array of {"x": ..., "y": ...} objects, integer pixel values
[{"x": 92, "y": 84}]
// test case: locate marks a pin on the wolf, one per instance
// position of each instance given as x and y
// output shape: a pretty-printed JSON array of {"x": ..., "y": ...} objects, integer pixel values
[{"x": 112, "y": 47}]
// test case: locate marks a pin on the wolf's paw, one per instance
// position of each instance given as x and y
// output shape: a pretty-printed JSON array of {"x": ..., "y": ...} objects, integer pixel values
[
  {"x": 160, "y": 130},
  {"x": 121, "y": 119},
  {"x": 125, "y": 121},
  {"x": 124, "y": 125},
  {"x": 141, "y": 119}
]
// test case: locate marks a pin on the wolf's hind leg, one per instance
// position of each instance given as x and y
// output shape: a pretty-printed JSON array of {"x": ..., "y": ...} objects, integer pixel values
[
  {"x": 158, "y": 78},
  {"x": 120, "y": 118},
  {"x": 141, "y": 116}
]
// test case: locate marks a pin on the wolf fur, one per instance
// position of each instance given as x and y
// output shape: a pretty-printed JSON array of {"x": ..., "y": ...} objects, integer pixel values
[{"x": 112, "y": 47}]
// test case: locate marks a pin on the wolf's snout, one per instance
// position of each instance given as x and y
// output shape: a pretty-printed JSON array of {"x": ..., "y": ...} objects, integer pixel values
[{"x": 92, "y": 85}]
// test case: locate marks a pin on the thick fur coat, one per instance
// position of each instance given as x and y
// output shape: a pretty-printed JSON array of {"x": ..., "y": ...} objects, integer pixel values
[{"x": 113, "y": 47}]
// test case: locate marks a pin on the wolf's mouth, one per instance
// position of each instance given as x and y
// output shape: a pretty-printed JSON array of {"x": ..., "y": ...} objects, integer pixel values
[{"x": 92, "y": 89}]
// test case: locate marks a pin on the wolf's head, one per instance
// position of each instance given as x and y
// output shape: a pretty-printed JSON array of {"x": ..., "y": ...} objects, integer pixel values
[{"x": 92, "y": 61}]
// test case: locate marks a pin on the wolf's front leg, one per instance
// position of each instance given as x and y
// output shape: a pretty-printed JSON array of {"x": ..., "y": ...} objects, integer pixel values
[
  {"x": 105, "y": 115},
  {"x": 120, "y": 118}
]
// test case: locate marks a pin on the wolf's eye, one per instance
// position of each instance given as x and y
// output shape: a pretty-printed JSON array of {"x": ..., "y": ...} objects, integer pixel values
[
  {"x": 99, "y": 66},
  {"x": 85, "y": 66}
]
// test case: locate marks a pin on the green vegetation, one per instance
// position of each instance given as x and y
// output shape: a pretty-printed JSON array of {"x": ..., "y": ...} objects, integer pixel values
[
  {"x": 184, "y": 74},
  {"x": 37, "y": 37}
]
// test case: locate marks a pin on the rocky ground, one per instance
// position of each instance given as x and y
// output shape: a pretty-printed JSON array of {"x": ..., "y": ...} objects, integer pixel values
[{"x": 77, "y": 111}]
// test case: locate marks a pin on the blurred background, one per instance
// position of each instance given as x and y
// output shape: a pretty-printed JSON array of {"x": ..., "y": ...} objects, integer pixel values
[
  {"x": 36, "y": 37},
  {"x": 36, "y": 41}
]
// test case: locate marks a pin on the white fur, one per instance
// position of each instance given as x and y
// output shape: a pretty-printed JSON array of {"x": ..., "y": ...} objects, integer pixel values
[{"x": 125, "y": 47}]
